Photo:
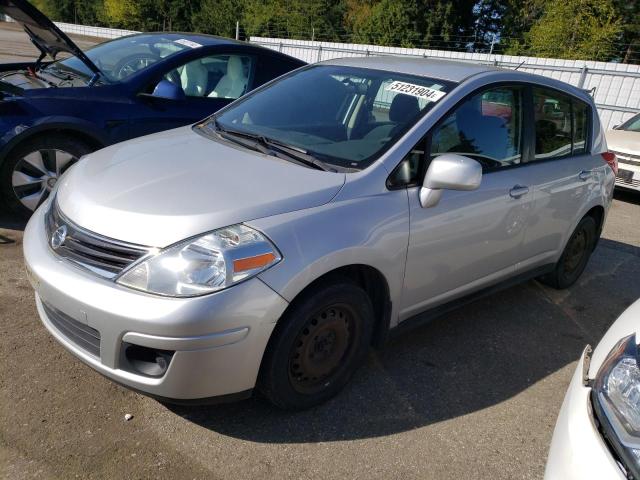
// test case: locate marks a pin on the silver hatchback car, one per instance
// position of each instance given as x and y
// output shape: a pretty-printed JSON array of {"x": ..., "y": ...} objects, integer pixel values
[{"x": 273, "y": 243}]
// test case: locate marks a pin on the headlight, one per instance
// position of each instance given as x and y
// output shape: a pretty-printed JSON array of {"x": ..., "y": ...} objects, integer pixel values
[
  {"x": 616, "y": 396},
  {"x": 203, "y": 264}
]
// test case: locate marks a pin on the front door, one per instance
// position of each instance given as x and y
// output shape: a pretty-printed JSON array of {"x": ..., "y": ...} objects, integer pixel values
[
  {"x": 471, "y": 239},
  {"x": 209, "y": 83}
]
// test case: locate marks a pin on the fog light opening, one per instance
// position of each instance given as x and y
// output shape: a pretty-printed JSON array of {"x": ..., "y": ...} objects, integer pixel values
[{"x": 146, "y": 361}]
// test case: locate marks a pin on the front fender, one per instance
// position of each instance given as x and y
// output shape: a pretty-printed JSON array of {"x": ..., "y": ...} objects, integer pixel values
[{"x": 371, "y": 230}]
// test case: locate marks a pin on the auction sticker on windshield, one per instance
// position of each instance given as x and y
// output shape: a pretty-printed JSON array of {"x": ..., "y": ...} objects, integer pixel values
[
  {"x": 416, "y": 91},
  {"x": 188, "y": 43}
]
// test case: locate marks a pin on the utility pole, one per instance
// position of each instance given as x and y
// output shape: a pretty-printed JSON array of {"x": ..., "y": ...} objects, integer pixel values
[{"x": 237, "y": 30}]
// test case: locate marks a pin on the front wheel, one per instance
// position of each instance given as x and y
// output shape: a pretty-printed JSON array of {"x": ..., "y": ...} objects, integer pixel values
[
  {"x": 317, "y": 346},
  {"x": 575, "y": 256},
  {"x": 32, "y": 169}
]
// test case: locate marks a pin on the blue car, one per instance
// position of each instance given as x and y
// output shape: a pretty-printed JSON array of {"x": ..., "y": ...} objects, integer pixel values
[{"x": 53, "y": 113}]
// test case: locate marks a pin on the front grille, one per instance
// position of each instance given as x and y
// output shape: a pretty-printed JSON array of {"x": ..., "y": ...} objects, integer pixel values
[
  {"x": 82, "y": 335},
  {"x": 104, "y": 256}
]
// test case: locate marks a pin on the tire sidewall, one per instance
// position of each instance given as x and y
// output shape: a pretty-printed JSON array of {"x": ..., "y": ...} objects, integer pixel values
[
  {"x": 76, "y": 147},
  {"x": 564, "y": 279},
  {"x": 274, "y": 378}
]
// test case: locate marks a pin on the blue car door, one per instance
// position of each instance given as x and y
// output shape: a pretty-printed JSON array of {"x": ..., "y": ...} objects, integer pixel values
[{"x": 207, "y": 84}]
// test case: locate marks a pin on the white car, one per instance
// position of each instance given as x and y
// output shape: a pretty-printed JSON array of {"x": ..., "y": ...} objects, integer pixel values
[
  {"x": 597, "y": 435},
  {"x": 624, "y": 141}
]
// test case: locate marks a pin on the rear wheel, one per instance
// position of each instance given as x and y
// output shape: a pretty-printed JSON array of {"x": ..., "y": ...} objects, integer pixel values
[
  {"x": 317, "y": 346},
  {"x": 32, "y": 169},
  {"x": 575, "y": 256}
]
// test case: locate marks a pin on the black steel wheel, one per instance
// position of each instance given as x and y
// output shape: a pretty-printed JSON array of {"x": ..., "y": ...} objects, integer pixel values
[
  {"x": 575, "y": 256},
  {"x": 317, "y": 345}
]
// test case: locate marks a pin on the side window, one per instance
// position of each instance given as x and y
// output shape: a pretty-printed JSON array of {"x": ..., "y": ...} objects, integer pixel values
[
  {"x": 552, "y": 112},
  {"x": 486, "y": 127},
  {"x": 580, "y": 127},
  {"x": 216, "y": 76}
]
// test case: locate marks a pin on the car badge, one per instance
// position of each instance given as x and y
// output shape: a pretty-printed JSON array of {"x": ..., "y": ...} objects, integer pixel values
[{"x": 58, "y": 237}]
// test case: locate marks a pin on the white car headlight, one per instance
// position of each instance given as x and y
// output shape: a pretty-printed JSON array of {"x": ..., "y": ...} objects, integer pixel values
[
  {"x": 616, "y": 396},
  {"x": 203, "y": 264}
]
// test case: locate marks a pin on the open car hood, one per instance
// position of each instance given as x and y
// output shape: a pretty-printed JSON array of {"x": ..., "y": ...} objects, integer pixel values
[{"x": 44, "y": 34}]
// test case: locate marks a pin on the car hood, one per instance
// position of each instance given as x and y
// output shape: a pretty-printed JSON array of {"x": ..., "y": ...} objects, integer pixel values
[
  {"x": 44, "y": 34},
  {"x": 624, "y": 141},
  {"x": 160, "y": 189},
  {"x": 628, "y": 323}
]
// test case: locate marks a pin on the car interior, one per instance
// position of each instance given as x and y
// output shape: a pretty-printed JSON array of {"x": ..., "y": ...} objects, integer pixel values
[{"x": 217, "y": 76}]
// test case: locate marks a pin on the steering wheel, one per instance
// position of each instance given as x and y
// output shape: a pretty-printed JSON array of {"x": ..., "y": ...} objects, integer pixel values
[{"x": 131, "y": 64}]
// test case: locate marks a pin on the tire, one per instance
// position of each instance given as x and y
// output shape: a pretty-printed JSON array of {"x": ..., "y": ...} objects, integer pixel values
[
  {"x": 37, "y": 164},
  {"x": 575, "y": 256},
  {"x": 317, "y": 346}
]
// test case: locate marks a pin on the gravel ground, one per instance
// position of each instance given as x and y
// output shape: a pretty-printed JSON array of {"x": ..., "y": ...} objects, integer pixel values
[{"x": 472, "y": 395}]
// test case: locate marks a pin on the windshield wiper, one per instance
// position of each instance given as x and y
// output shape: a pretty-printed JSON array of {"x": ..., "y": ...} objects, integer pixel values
[{"x": 281, "y": 149}]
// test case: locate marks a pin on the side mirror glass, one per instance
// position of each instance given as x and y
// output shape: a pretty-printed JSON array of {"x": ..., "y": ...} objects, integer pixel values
[
  {"x": 166, "y": 90},
  {"x": 449, "y": 172}
]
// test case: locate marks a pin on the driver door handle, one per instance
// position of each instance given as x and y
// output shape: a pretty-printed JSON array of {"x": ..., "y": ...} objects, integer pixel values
[
  {"x": 518, "y": 191},
  {"x": 585, "y": 175}
]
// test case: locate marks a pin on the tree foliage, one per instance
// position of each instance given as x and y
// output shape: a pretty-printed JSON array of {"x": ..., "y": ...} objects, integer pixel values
[{"x": 581, "y": 29}]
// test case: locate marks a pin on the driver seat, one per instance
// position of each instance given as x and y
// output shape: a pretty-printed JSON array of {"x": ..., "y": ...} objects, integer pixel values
[{"x": 234, "y": 83}]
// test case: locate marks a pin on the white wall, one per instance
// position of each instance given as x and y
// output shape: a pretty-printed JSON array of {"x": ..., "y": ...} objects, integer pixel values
[{"x": 617, "y": 86}]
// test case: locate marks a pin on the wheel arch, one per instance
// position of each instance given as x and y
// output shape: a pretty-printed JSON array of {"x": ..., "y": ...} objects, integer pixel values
[
  {"x": 74, "y": 130},
  {"x": 375, "y": 285}
]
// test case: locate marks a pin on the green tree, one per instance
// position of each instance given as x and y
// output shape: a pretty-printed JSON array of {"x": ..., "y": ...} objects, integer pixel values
[
  {"x": 218, "y": 17},
  {"x": 578, "y": 29},
  {"x": 320, "y": 19}
]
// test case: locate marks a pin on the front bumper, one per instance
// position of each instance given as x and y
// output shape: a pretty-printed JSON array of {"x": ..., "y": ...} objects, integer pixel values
[
  {"x": 578, "y": 450},
  {"x": 218, "y": 339}
]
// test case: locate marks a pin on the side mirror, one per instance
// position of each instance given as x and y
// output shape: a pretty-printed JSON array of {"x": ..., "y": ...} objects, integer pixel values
[
  {"x": 166, "y": 90},
  {"x": 449, "y": 172}
]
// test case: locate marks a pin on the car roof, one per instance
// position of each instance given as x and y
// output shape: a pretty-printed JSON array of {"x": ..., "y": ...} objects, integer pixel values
[
  {"x": 453, "y": 71},
  {"x": 200, "y": 38}
]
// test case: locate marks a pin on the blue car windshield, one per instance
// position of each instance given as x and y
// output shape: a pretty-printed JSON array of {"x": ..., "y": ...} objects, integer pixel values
[
  {"x": 345, "y": 116},
  {"x": 120, "y": 58}
]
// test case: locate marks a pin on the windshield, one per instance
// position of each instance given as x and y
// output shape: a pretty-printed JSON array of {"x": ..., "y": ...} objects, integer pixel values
[
  {"x": 341, "y": 115},
  {"x": 631, "y": 125},
  {"x": 122, "y": 57}
]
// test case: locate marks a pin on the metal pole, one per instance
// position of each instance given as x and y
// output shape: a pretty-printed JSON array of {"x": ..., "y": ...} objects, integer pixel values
[
  {"x": 583, "y": 76},
  {"x": 237, "y": 30}
]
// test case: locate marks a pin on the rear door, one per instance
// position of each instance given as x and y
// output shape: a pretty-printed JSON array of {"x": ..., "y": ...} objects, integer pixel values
[
  {"x": 471, "y": 239},
  {"x": 562, "y": 172}
]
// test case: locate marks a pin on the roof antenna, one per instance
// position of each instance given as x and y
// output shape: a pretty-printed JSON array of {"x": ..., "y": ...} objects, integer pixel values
[{"x": 523, "y": 62}]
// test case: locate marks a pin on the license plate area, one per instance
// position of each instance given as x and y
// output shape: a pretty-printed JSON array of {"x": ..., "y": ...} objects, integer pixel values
[{"x": 625, "y": 175}]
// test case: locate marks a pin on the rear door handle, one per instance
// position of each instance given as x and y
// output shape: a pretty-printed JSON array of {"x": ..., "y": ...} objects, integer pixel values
[
  {"x": 585, "y": 175},
  {"x": 518, "y": 191}
]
